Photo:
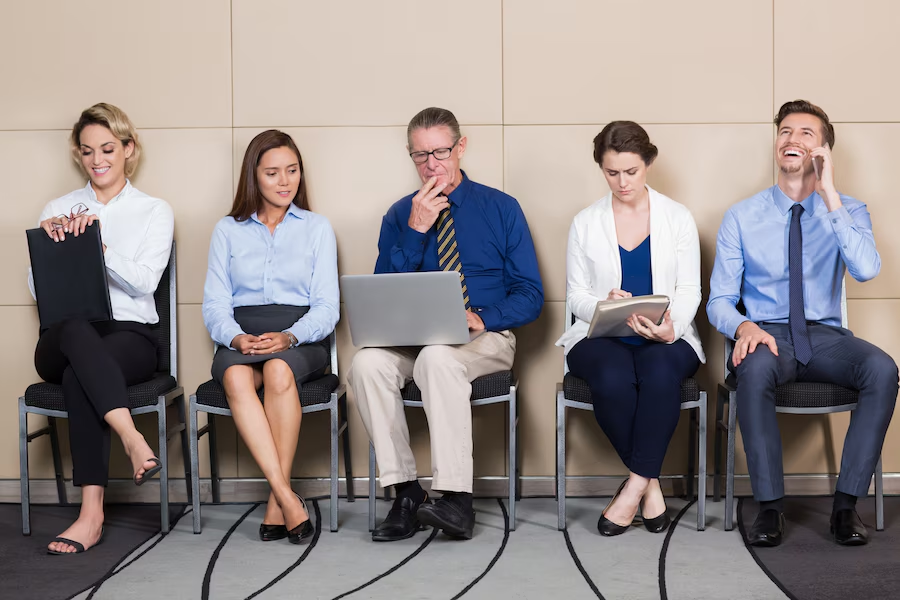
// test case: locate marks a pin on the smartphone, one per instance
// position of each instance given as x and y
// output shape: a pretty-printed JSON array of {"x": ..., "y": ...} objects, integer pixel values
[{"x": 817, "y": 166}]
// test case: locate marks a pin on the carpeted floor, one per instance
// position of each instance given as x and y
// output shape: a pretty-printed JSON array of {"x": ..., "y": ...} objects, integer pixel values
[{"x": 536, "y": 561}]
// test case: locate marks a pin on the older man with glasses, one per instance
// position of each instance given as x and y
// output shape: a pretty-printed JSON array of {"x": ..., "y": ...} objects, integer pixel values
[{"x": 451, "y": 223}]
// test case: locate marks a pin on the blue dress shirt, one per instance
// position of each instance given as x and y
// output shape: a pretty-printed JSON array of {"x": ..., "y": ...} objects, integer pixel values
[
  {"x": 495, "y": 249},
  {"x": 752, "y": 259},
  {"x": 637, "y": 278},
  {"x": 297, "y": 266}
]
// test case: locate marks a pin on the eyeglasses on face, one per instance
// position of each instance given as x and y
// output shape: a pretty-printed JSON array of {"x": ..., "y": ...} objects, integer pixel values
[{"x": 420, "y": 158}]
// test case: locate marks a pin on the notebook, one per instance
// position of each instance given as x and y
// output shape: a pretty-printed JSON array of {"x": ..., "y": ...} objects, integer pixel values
[
  {"x": 610, "y": 315},
  {"x": 69, "y": 277}
]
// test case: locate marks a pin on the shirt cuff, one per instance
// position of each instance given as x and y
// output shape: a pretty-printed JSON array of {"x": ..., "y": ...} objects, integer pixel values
[
  {"x": 229, "y": 334},
  {"x": 410, "y": 239},
  {"x": 302, "y": 331},
  {"x": 840, "y": 219},
  {"x": 490, "y": 316}
]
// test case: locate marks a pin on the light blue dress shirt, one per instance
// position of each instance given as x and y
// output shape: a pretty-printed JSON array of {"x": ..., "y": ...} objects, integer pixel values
[
  {"x": 752, "y": 259},
  {"x": 248, "y": 266}
]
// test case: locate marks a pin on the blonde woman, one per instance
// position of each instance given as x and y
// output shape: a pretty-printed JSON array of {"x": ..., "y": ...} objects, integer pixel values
[{"x": 96, "y": 362}]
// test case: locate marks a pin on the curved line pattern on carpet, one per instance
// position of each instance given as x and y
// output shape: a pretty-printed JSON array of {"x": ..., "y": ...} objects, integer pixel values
[
  {"x": 578, "y": 564},
  {"x": 207, "y": 578},
  {"x": 665, "y": 548},
  {"x": 312, "y": 544},
  {"x": 114, "y": 570},
  {"x": 762, "y": 566},
  {"x": 496, "y": 556},
  {"x": 415, "y": 553}
]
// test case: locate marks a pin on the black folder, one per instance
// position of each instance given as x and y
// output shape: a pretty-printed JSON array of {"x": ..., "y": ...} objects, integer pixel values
[{"x": 70, "y": 278}]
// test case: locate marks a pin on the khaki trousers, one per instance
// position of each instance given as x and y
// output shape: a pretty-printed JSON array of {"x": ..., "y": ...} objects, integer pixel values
[{"x": 444, "y": 374}]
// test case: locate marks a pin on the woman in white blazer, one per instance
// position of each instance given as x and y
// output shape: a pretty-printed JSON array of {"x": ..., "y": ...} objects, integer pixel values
[{"x": 632, "y": 242}]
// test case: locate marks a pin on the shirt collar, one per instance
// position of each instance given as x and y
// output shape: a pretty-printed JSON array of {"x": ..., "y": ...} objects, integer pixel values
[
  {"x": 293, "y": 209},
  {"x": 462, "y": 190},
  {"x": 784, "y": 204},
  {"x": 93, "y": 195}
]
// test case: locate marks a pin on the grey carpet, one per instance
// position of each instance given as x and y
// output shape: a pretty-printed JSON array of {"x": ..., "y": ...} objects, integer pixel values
[
  {"x": 29, "y": 572},
  {"x": 808, "y": 565}
]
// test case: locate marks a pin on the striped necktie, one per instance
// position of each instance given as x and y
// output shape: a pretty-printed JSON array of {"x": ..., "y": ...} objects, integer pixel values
[{"x": 448, "y": 253}]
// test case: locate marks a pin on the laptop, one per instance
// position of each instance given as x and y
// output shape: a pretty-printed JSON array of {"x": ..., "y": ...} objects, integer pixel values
[
  {"x": 69, "y": 277},
  {"x": 406, "y": 309}
]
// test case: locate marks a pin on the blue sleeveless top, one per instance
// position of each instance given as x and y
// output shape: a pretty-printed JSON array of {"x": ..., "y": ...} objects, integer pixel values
[{"x": 637, "y": 278}]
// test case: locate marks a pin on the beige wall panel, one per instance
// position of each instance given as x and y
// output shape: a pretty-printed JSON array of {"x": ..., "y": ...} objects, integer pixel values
[
  {"x": 839, "y": 55},
  {"x": 552, "y": 173},
  {"x": 365, "y": 63},
  {"x": 864, "y": 154},
  {"x": 355, "y": 193},
  {"x": 699, "y": 61},
  {"x": 167, "y": 64},
  {"x": 22, "y": 152},
  {"x": 200, "y": 193}
]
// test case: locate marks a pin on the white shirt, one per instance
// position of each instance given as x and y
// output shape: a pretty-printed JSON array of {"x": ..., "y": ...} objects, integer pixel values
[
  {"x": 594, "y": 266},
  {"x": 137, "y": 231}
]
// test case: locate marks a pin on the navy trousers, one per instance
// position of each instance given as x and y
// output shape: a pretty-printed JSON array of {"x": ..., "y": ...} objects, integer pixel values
[
  {"x": 839, "y": 358},
  {"x": 636, "y": 392}
]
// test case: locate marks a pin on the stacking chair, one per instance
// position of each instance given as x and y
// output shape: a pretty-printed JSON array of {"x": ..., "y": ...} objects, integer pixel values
[
  {"x": 489, "y": 389},
  {"x": 575, "y": 393},
  {"x": 810, "y": 398},
  {"x": 153, "y": 396},
  {"x": 325, "y": 393}
]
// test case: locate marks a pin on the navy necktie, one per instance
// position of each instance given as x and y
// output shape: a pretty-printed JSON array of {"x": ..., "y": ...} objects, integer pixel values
[{"x": 797, "y": 315}]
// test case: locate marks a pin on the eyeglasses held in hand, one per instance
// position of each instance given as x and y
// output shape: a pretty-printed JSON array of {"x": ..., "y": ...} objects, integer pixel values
[
  {"x": 420, "y": 158},
  {"x": 76, "y": 211}
]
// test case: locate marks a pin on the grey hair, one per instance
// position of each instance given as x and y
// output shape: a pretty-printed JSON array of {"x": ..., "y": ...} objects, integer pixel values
[{"x": 433, "y": 117}]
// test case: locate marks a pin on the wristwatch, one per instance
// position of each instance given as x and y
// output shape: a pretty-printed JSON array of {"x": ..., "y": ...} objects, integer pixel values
[{"x": 292, "y": 337}]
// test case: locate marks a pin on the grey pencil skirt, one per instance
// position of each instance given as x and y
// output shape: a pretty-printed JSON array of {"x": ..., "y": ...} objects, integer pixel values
[{"x": 307, "y": 362}]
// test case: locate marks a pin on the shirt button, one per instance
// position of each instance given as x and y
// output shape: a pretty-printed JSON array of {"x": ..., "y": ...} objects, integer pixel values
[
  {"x": 834, "y": 220},
  {"x": 844, "y": 246}
]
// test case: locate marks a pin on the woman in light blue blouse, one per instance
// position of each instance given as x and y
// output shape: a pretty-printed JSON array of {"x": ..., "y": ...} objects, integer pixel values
[{"x": 270, "y": 302}]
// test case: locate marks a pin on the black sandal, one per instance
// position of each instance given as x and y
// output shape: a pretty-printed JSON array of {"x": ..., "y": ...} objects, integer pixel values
[
  {"x": 79, "y": 547},
  {"x": 149, "y": 472}
]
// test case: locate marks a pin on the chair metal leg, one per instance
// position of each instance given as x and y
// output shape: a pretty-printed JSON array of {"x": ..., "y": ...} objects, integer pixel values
[
  {"x": 717, "y": 448},
  {"x": 57, "y": 462},
  {"x": 23, "y": 468},
  {"x": 194, "y": 449},
  {"x": 213, "y": 457},
  {"x": 164, "y": 460},
  {"x": 513, "y": 423},
  {"x": 692, "y": 440},
  {"x": 701, "y": 456},
  {"x": 185, "y": 450},
  {"x": 729, "y": 462},
  {"x": 560, "y": 460},
  {"x": 879, "y": 497},
  {"x": 334, "y": 463},
  {"x": 371, "y": 486},
  {"x": 348, "y": 458}
]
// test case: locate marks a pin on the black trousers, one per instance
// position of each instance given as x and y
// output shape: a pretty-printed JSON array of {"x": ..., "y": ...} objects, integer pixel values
[
  {"x": 95, "y": 363},
  {"x": 838, "y": 357},
  {"x": 637, "y": 394}
]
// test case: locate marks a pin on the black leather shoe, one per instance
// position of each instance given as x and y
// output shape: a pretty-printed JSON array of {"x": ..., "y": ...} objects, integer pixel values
[
  {"x": 848, "y": 528},
  {"x": 768, "y": 529},
  {"x": 401, "y": 522},
  {"x": 270, "y": 533},
  {"x": 305, "y": 530},
  {"x": 657, "y": 524},
  {"x": 449, "y": 517},
  {"x": 606, "y": 527}
]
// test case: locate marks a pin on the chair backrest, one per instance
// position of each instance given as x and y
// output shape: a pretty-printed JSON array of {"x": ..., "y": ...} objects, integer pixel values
[
  {"x": 167, "y": 309},
  {"x": 729, "y": 343},
  {"x": 570, "y": 320}
]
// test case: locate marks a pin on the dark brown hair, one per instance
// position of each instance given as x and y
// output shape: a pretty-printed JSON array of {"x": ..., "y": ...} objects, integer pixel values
[
  {"x": 248, "y": 198},
  {"x": 806, "y": 107},
  {"x": 433, "y": 117},
  {"x": 624, "y": 136}
]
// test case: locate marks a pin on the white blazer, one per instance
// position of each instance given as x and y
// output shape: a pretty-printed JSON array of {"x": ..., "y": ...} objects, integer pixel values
[{"x": 594, "y": 267}]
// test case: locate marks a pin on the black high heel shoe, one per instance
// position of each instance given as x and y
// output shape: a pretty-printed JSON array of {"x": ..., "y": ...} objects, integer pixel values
[
  {"x": 605, "y": 526},
  {"x": 657, "y": 524},
  {"x": 270, "y": 533},
  {"x": 304, "y": 530}
]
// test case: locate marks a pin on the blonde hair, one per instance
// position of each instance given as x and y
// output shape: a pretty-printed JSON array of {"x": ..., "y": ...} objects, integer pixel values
[{"x": 118, "y": 123}]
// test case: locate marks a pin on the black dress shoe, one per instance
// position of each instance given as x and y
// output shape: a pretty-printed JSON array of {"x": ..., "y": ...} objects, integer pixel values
[
  {"x": 768, "y": 529},
  {"x": 401, "y": 522},
  {"x": 848, "y": 528},
  {"x": 450, "y": 516},
  {"x": 657, "y": 524},
  {"x": 270, "y": 533},
  {"x": 606, "y": 527},
  {"x": 305, "y": 530}
]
